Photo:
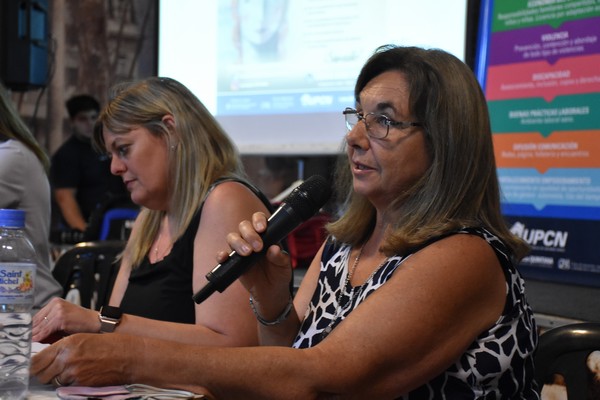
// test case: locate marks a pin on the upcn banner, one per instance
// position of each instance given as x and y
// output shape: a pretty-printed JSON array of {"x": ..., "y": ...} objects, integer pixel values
[{"x": 539, "y": 65}]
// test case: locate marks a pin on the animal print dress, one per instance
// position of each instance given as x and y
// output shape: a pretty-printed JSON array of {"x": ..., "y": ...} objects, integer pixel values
[{"x": 497, "y": 365}]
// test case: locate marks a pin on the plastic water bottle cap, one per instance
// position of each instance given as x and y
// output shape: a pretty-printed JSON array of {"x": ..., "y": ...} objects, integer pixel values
[{"x": 12, "y": 218}]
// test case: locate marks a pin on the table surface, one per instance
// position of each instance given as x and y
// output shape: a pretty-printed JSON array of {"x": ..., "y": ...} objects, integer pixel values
[{"x": 38, "y": 391}]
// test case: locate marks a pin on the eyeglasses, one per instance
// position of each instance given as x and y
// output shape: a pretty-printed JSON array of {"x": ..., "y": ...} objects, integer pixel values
[{"x": 378, "y": 125}]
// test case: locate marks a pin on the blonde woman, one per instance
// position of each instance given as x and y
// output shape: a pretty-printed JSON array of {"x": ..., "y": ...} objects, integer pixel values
[{"x": 181, "y": 167}]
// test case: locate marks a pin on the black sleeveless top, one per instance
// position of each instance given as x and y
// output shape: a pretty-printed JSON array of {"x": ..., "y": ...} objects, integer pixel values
[{"x": 163, "y": 290}]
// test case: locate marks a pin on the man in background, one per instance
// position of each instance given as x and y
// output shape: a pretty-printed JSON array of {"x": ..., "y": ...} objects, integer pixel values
[{"x": 80, "y": 176}]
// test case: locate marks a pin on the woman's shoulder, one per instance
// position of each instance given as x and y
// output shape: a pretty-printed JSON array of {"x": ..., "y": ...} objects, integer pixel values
[
  {"x": 333, "y": 246},
  {"x": 492, "y": 240},
  {"x": 16, "y": 156},
  {"x": 229, "y": 185},
  {"x": 463, "y": 246},
  {"x": 232, "y": 195},
  {"x": 12, "y": 147},
  {"x": 232, "y": 189}
]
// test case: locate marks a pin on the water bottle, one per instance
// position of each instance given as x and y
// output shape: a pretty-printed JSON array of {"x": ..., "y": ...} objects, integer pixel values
[{"x": 18, "y": 264}]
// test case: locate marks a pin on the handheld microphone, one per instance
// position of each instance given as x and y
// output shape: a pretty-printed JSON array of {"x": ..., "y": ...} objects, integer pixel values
[{"x": 299, "y": 206}]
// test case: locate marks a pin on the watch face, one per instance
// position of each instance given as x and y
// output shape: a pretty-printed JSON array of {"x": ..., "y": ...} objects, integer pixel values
[
  {"x": 110, "y": 317},
  {"x": 111, "y": 312}
]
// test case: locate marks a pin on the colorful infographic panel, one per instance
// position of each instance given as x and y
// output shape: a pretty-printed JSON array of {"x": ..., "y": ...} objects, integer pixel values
[{"x": 539, "y": 65}]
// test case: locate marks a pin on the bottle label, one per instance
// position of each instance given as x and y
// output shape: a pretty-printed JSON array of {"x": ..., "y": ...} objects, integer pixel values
[{"x": 16, "y": 282}]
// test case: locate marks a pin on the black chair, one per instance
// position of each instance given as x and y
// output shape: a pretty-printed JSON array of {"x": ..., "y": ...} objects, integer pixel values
[
  {"x": 564, "y": 350},
  {"x": 89, "y": 270}
]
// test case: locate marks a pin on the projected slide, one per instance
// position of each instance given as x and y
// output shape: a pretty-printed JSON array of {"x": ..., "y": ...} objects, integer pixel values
[
  {"x": 542, "y": 83},
  {"x": 296, "y": 65},
  {"x": 278, "y": 73},
  {"x": 291, "y": 56}
]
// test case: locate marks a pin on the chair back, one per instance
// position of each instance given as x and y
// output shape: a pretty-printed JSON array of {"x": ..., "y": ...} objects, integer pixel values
[
  {"x": 109, "y": 217},
  {"x": 87, "y": 272},
  {"x": 565, "y": 351}
]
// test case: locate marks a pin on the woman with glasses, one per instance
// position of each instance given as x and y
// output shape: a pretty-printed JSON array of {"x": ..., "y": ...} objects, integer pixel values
[{"x": 414, "y": 295}]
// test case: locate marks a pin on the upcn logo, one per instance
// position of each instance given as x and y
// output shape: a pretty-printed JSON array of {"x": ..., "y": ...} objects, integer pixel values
[{"x": 540, "y": 237}]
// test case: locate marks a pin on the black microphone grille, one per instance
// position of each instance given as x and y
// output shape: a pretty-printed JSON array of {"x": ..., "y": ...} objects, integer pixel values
[{"x": 309, "y": 197}]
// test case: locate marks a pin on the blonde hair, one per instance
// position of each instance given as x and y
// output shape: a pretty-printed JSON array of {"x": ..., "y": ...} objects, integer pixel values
[
  {"x": 13, "y": 127},
  {"x": 460, "y": 188},
  {"x": 199, "y": 149}
]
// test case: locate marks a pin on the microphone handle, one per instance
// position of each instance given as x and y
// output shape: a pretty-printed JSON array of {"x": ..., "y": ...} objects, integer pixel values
[
  {"x": 281, "y": 223},
  {"x": 226, "y": 273}
]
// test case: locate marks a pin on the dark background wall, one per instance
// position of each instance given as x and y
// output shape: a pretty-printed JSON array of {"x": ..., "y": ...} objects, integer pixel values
[{"x": 53, "y": 49}]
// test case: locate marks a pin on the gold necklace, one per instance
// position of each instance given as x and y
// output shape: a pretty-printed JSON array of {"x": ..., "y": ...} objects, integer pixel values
[
  {"x": 338, "y": 300},
  {"x": 156, "y": 246},
  {"x": 162, "y": 252}
]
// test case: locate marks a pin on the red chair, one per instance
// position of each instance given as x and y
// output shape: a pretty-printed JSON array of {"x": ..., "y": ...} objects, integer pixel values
[{"x": 304, "y": 241}]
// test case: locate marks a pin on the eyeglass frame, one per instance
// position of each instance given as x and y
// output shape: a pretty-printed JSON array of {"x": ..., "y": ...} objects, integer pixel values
[{"x": 388, "y": 122}]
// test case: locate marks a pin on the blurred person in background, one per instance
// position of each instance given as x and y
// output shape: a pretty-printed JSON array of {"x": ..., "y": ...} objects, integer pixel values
[{"x": 80, "y": 175}]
